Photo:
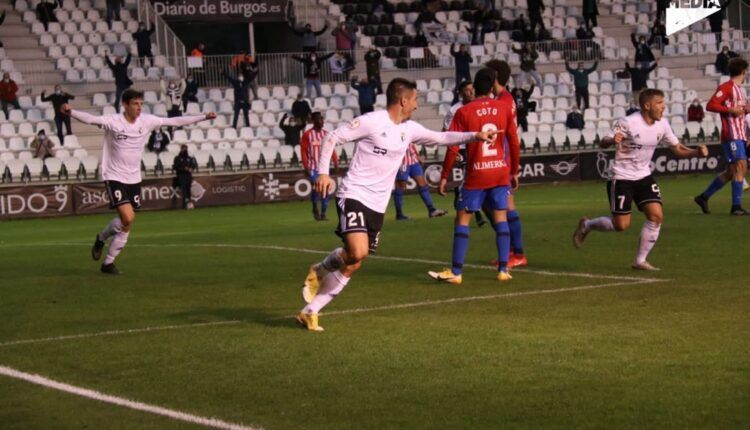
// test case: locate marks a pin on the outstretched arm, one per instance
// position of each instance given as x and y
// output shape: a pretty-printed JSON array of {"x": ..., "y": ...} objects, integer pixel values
[
  {"x": 428, "y": 137},
  {"x": 179, "y": 121},
  {"x": 83, "y": 117}
]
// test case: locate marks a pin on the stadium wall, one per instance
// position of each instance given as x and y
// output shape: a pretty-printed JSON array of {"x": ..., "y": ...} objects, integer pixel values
[{"x": 78, "y": 198}]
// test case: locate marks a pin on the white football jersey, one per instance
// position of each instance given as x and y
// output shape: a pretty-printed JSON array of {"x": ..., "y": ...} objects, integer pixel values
[
  {"x": 124, "y": 142},
  {"x": 381, "y": 145},
  {"x": 633, "y": 156}
]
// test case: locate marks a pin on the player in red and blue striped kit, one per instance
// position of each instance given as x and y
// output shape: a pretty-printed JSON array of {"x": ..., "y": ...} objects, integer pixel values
[
  {"x": 730, "y": 102},
  {"x": 310, "y": 150},
  {"x": 489, "y": 174},
  {"x": 411, "y": 167}
]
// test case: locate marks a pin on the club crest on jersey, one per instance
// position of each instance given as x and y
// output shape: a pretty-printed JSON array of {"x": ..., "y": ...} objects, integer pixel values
[
  {"x": 719, "y": 93},
  {"x": 354, "y": 123},
  {"x": 403, "y": 136}
]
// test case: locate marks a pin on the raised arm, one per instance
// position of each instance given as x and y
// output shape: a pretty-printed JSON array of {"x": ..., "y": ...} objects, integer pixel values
[
  {"x": 592, "y": 68},
  {"x": 281, "y": 123},
  {"x": 567, "y": 67},
  {"x": 321, "y": 31},
  {"x": 84, "y": 117},
  {"x": 295, "y": 31},
  {"x": 633, "y": 40},
  {"x": 429, "y": 137},
  {"x": 45, "y": 98},
  {"x": 127, "y": 59},
  {"x": 180, "y": 121}
]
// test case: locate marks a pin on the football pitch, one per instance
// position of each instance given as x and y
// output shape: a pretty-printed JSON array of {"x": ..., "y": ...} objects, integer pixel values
[{"x": 198, "y": 331}]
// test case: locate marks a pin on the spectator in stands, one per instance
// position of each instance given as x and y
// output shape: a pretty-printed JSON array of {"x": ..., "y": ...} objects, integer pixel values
[
  {"x": 638, "y": 78},
  {"x": 199, "y": 50},
  {"x": 301, "y": 109},
  {"x": 535, "y": 14},
  {"x": 581, "y": 83},
  {"x": 696, "y": 112},
  {"x": 248, "y": 67},
  {"x": 8, "y": 90},
  {"x": 58, "y": 99},
  {"x": 2, "y": 20},
  {"x": 722, "y": 60},
  {"x": 292, "y": 130},
  {"x": 241, "y": 98},
  {"x": 158, "y": 141},
  {"x": 184, "y": 165},
  {"x": 142, "y": 38},
  {"x": 716, "y": 21},
  {"x": 659, "y": 35},
  {"x": 309, "y": 37},
  {"x": 574, "y": 120},
  {"x": 528, "y": 56},
  {"x": 590, "y": 12},
  {"x": 661, "y": 8},
  {"x": 113, "y": 11},
  {"x": 462, "y": 59},
  {"x": 523, "y": 105},
  {"x": 420, "y": 40},
  {"x": 312, "y": 64},
  {"x": 45, "y": 12},
  {"x": 120, "y": 72},
  {"x": 478, "y": 30},
  {"x": 584, "y": 33},
  {"x": 643, "y": 55},
  {"x": 172, "y": 95},
  {"x": 632, "y": 109},
  {"x": 528, "y": 34},
  {"x": 42, "y": 145},
  {"x": 346, "y": 39},
  {"x": 372, "y": 61},
  {"x": 191, "y": 91},
  {"x": 366, "y": 90},
  {"x": 519, "y": 23}
]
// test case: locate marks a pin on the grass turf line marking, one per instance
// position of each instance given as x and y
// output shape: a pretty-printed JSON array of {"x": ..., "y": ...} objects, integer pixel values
[
  {"x": 118, "y": 332},
  {"x": 119, "y": 401}
]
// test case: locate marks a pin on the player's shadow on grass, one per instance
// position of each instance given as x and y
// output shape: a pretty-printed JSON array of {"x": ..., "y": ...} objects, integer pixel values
[{"x": 245, "y": 315}]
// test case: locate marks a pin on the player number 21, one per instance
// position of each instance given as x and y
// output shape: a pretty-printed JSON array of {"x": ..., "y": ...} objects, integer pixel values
[
  {"x": 487, "y": 149},
  {"x": 353, "y": 219}
]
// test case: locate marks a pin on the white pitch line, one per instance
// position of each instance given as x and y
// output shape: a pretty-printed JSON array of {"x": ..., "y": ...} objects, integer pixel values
[
  {"x": 117, "y": 332},
  {"x": 119, "y": 401}
]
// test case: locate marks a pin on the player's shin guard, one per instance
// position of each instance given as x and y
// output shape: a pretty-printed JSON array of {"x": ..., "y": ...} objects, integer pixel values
[
  {"x": 713, "y": 187},
  {"x": 333, "y": 262},
  {"x": 502, "y": 240},
  {"x": 736, "y": 193},
  {"x": 114, "y": 227},
  {"x": 398, "y": 199},
  {"x": 333, "y": 285},
  {"x": 460, "y": 245},
  {"x": 424, "y": 193},
  {"x": 603, "y": 223},
  {"x": 516, "y": 240},
  {"x": 649, "y": 235},
  {"x": 118, "y": 243}
]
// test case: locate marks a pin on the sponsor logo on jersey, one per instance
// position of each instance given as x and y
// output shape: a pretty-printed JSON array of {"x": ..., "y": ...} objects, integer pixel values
[{"x": 379, "y": 150}]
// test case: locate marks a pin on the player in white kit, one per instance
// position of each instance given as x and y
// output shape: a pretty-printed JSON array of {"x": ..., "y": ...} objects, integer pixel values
[
  {"x": 125, "y": 137},
  {"x": 382, "y": 139},
  {"x": 636, "y": 138}
]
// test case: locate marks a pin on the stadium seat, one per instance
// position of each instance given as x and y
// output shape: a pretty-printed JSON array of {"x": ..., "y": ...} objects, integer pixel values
[
  {"x": 90, "y": 166},
  {"x": 149, "y": 162}
]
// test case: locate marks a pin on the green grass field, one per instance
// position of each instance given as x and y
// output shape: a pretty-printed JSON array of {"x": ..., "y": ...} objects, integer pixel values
[{"x": 552, "y": 349}]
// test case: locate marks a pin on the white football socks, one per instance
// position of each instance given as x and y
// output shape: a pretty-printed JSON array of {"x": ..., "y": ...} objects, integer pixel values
[
  {"x": 332, "y": 285},
  {"x": 331, "y": 263},
  {"x": 118, "y": 243},
  {"x": 649, "y": 235},
  {"x": 603, "y": 223},
  {"x": 114, "y": 227}
]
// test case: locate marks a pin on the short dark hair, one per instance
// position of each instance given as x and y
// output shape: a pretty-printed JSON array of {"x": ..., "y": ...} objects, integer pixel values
[
  {"x": 484, "y": 81},
  {"x": 462, "y": 86},
  {"x": 736, "y": 66},
  {"x": 396, "y": 89},
  {"x": 648, "y": 94},
  {"x": 315, "y": 115},
  {"x": 131, "y": 94},
  {"x": 502, "y": 69}
]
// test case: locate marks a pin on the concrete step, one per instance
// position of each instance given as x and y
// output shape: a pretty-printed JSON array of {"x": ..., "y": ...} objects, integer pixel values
[
  {"x": 28, "y": 54},
  {"x": 20, "y": 42},
  {"x": 13, "y": 29}
]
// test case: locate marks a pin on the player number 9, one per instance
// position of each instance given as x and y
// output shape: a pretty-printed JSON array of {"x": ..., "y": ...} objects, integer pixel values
[
  {"x": 118, "y": 195},
  {"x": 487, "y": 150}
]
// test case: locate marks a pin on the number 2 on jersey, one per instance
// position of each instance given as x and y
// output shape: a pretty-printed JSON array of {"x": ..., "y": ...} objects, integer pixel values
[{"x": 487, "y": 147}]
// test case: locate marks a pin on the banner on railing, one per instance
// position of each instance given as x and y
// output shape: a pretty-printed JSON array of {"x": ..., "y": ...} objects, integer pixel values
[
  {"x": 281, "y": 186},
  {"x": 221, "y": 10}
]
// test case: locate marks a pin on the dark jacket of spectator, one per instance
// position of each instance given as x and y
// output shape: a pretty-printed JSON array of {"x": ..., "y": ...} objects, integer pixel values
[
  {"x": 191, "y": 91},
  {"x": 57, "y": 99},
  {"x": 639, "y": 76},
  {"x": 584, "y": 33},
  {"x": 716, "y": 20},
  {"x": 642, "y": 48},
  {"x": 581, "y": 76},
  {"x": 142, "y": 39},
  {"x": 45, "y": 12},
  {"x": 722, "y": 60},
  {"x": 120, "y": 71},
  {"x": 462, "y": 60},
  {"x": 372, "y": 60},
  {"x": 8, "y": 90},
  {"x": 695, "y": 112},
  {"x": 478, "y": 30},
  {"x": 249, "y": 68},
  {"x": 184, "y": 164},
  {"x": 292, "y": 132},
  {"x": 240, "y": 86},
  {"x": 309, "y": 37},
  {"x": 301, "y": 108},
  {"x": 659, "y": 34},
  {"x": 575, "y": 120},
  {"x": 523, "y": 105},
  {"x": 312, "y": 65},
  {"x": 590, "y": 11},
  {"x": 366, "y": 91},
  {"x": 158, "y": 141},
  {"x": 528, "y": 58}
]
